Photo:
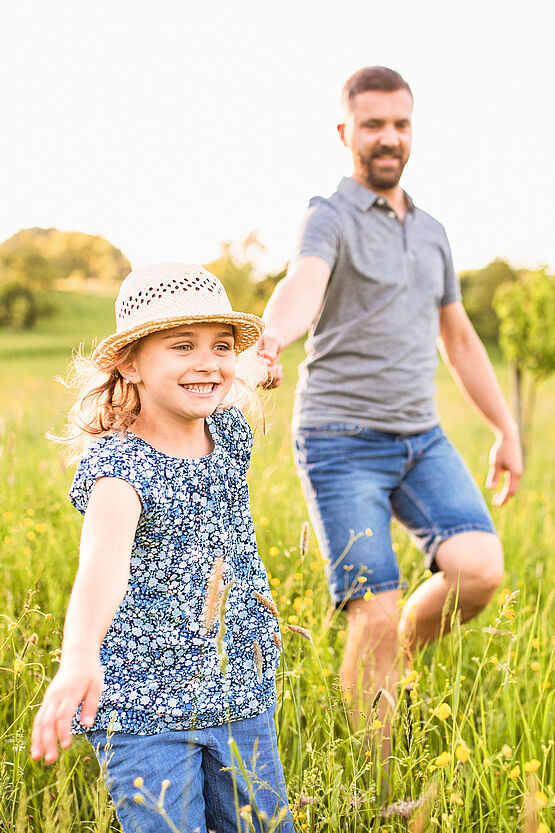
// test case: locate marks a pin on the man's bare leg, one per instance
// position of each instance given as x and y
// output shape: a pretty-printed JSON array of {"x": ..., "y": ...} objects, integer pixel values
[
  {"x": 371, "y": 659},
  {"x": 471, "y": 565}
]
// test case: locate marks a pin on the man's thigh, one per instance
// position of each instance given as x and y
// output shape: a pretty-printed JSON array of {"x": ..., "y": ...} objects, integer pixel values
[
  {"x": 438, "y": 498},
  {"x": 347, "y": 475}
]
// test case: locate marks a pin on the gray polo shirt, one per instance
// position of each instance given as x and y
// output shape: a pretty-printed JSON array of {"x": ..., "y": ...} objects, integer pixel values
[{"x": 371, "y": 352}]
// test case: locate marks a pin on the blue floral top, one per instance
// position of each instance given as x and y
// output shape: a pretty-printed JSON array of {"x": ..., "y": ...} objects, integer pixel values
[{"x": 160, "y": 656}]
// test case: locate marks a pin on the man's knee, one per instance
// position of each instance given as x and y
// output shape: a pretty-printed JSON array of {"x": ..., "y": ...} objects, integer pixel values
[
  {"x": 473, "y": 563},
  {"x": 374, "y": 622}
]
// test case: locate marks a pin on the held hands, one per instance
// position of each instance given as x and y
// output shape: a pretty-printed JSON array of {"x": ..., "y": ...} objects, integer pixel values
[
  {"x": 505, "y": 458},
  {"x": 269, "y": 348},
  {"x": 76, "y": 682}
]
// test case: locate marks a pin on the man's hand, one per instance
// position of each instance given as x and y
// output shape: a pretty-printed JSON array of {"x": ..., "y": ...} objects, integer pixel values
[
  {"x": 269, "y": 349},
  {"x": 505, "y": 459},
  {"x": 75, "y": 683}
]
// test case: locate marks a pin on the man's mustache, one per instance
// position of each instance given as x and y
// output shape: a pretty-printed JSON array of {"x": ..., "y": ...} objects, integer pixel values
[{"x": 389, "y": 152}]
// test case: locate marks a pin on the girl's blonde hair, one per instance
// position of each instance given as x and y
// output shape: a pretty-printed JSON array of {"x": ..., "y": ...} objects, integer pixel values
[{"x": 106, "y": 403}]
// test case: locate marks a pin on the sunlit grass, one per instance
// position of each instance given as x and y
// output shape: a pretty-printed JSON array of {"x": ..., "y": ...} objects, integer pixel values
[{"x": 473, "y": 739}]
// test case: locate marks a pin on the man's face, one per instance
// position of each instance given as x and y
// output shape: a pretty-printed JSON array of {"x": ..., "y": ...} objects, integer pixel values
[{"x": 378, "y": 131}]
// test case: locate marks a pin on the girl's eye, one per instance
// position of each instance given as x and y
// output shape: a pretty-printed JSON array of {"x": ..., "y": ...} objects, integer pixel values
[
  {"x": 182, "y": 347},
  {"x": 223, "y": 348}
]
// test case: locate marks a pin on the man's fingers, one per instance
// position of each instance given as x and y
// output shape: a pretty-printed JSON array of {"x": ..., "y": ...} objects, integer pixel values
[{"x": 494, "y": 474}]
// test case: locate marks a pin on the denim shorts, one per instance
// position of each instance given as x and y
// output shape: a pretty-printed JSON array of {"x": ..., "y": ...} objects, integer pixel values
[
  {"x": 202, "y": 793},
  {"x": 356, "y": 479}
]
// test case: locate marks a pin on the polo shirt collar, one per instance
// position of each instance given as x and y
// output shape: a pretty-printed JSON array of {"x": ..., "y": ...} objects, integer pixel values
[{"x": 363, "y": 197}]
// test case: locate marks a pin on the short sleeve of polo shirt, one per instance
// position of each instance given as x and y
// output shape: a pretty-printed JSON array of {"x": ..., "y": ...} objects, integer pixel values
[
  {"x": 235, "y": 435},
  {"x": 452, "y": 290},
  {"x": 112, "y": 456},
  {"x": 320, "y": 232}
]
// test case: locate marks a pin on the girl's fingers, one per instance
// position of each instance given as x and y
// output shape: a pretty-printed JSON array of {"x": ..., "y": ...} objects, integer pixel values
[{"x": 90, "y": 703}]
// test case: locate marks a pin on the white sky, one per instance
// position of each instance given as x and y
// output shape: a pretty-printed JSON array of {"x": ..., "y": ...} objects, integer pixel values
[{"x": 170, "y": 126}]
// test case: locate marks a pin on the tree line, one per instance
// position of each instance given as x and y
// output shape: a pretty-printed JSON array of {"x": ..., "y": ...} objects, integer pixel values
[{"x": 511, "y": 308}]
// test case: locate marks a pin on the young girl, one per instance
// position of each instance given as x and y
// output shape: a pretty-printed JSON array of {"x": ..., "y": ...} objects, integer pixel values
[{"x": 170, "y": 641}]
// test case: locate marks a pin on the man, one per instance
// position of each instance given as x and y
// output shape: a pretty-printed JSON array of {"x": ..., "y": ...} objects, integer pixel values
[{"x": 373, "y": 279}]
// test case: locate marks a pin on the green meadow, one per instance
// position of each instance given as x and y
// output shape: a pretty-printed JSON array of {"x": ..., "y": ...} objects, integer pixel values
[{"x": 473, "y": 743}]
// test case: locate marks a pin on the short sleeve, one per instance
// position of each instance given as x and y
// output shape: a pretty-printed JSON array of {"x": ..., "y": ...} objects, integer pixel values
[
  {"x": 234, "y": 434},
  {"x": 112, "y": 456},
  {"x": 452, "y": 290},
  {"x": 319, "y": 234}
]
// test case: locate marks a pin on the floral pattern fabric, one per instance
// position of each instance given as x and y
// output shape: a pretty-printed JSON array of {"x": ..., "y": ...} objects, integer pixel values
[{"x": 162, "y": 668}]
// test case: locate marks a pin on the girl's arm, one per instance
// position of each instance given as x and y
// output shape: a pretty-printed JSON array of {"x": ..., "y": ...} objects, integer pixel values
[{"x": 100, "y": 584}]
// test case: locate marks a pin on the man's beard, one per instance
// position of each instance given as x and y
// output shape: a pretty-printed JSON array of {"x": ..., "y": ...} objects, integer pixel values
[{"x": 380, "y": 180}]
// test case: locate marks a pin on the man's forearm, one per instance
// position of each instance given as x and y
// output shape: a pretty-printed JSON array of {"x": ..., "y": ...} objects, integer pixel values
[
  {"x": 469, "y": 364},
  {"x": 296, "y": 301}
]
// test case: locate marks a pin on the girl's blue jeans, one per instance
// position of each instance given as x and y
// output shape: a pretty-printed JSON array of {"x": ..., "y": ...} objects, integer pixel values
[{"x": 207, "y": 785}]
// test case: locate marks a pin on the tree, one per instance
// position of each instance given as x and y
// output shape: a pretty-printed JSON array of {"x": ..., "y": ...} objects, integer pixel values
[
  {"x": 36, "y": 259},
  {"x": 237, "y": 267},
  {"x": 478, "y": 288},
  {"x": 526, "y": 311}
]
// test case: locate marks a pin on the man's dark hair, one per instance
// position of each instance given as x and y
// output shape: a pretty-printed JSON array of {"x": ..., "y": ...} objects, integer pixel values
[{"x": 368, "y": 79}]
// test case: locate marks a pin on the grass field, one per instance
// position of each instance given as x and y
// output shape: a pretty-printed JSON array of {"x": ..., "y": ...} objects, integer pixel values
[{"x": 486, "y": 763}]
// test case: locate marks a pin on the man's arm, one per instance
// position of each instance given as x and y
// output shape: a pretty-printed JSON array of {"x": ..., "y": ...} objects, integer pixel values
[
  {"x": 466, "y": 358},
  {"x": 292, "y": 308}
]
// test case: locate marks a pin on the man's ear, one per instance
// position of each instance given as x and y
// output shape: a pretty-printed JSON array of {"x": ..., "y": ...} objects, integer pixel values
[{"x": 341, "y": 131}]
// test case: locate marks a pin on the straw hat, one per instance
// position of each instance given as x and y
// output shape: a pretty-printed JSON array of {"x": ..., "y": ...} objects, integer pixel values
[{"x": 166, "y": 295}]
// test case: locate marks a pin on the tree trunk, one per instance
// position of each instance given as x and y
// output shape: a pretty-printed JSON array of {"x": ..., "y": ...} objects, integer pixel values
[{"x": 517, "y": 401}]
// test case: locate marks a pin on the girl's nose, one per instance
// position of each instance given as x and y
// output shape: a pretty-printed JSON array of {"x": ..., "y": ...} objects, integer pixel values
[{"x": 205, "y": 361}]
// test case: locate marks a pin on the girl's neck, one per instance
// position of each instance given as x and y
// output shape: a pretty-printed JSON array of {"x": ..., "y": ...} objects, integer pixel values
[{"x": 187, "y": 440}]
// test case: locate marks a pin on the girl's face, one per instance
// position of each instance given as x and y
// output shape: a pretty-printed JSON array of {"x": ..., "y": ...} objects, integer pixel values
[{"x": 183, "y": 373}]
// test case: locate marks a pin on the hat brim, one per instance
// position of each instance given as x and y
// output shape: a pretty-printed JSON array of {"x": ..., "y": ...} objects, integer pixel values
[{"x": 247, "y": 327}]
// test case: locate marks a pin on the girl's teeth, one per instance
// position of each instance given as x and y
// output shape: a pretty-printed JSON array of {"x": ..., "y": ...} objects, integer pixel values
[{"x": 200, "y": 388}]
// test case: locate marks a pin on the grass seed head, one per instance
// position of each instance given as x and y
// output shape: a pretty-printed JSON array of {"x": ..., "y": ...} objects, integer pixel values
[
  {"x": 304, "y": 632},
  {"x": 269, "y": 604},
  {"x": 303, "y": 543},
  {"x": 213, "y": 587}
]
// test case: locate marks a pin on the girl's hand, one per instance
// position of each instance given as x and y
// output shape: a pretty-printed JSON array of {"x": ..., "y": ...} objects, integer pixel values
[{"x": 75, "y": 683}]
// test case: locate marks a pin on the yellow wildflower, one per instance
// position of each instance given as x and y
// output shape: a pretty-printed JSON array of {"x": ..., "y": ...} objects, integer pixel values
[
  {"x": 138, "y": 782},
  {"x": 506, "y": 751},
  {"x": 7, "y": 516},
  {"x": 536, "y": 644},
  {"x": 315, "y": 566},
  {"x": 293, "y": 620},
  {"x": 368, "y": 595},
  {"x": 542, "y": 828},
  {"x": 18, "y": 665},
  {"x": 462, "y": 753},
  {"x": 275, "y": 582},
  {"x": 377, "y": 724},
  {"x": 362, "y": 579},
  {"x": 263, "y": 520},
  {"x": 443, "y": 711},
  {"x": 297, "y": 576},
  {"x": 532, "y": 766},
  {"x": 540, "y": 797},
  {"x": 534, "y": 666},
  {"x": 273, "y": 551},
  {"x": 456, "y": 799},
  {"x": 514, "y": 772},
  {"x": 443, "y": 759}
]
